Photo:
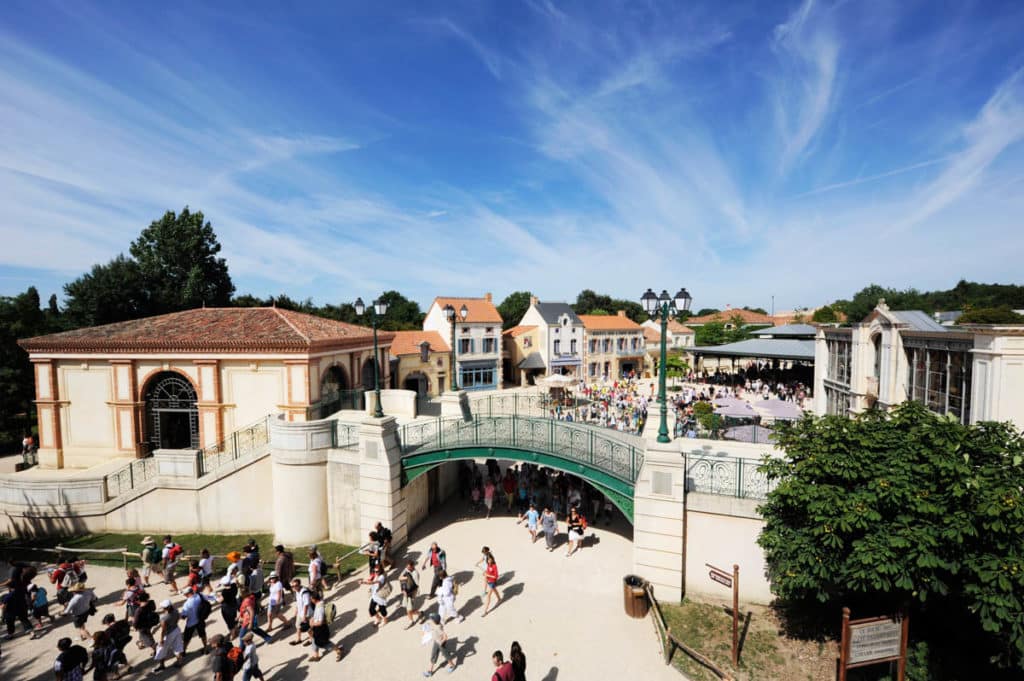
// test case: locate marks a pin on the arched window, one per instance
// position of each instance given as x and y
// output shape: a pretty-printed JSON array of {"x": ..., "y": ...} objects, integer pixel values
[
  {"x": 172, "y": 418},
  {"x": 876, "y": 343}
]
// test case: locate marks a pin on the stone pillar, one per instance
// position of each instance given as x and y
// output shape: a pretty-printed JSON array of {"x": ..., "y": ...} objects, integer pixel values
[
  {"x": 48, "y": 404},
  {"x": 209, "y": 402},
  {"x": 455, "y": 404},
  {"x": 380, "y": 480},
  {"x": 659, "y": 520},
  {"x": 297, "y": 399},
  {"x": 298, "y": 453},
  {"x": 126, "y": 412}
]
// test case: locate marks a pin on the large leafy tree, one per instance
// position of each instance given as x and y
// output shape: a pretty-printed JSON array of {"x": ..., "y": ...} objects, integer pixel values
[
  {"x": 903, "y": 511},
  {"x": 589, "y": 302},
  {"x": 177, "y": 259},
  {"x": 513, "y": 307},
  {"x": 108, "y": 293},
  {"x": 402, "y": 315}
]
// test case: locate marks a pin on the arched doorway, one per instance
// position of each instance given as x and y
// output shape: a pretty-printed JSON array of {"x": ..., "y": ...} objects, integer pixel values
[
  {"x": 334, "y": 381},
  {"x": 172, "y": 418},
  {"x": 418, "y": 382},
  {"x": 367, "y": 375}
]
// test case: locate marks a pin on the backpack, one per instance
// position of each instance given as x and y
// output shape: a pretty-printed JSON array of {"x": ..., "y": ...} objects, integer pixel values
[
  {"x": 174, "y": 552},
  {"x": 583, "y": 522},
  {"x": 330, "y": 612},
  {"x": 204, "y": 609},
  {"x": 455, "y": 588},
  {"x": 152, "y": 554},
  {"x": 236, "y": 658},
  {"x": 149, "y": 619}
]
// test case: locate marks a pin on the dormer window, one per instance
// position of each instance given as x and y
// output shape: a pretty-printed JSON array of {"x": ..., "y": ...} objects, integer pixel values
[{"x": 424, "y": 351}]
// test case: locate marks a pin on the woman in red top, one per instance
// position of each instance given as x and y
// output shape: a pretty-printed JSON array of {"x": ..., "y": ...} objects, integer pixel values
[{"x": 491, "y": 578}]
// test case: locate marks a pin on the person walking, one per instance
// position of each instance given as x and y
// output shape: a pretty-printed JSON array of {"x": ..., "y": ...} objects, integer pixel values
[
  {"x": 575, "y": 528},
  {"x": 250, "y": 660},
  {"x": 100, "y": 658},
  {"x": 317, "y": 566},
  {"x": 438, "y": 561},
  {"x": 320, "y": 631},
  {"x": 518, "y": 660},
  {"x": 16, "y": 604},
  {"x": 532, "y": 516},
  {"x": 275, "y": 607},
  {"x": 80, "y": 607},
  {"x": 502, "y": 669},
  {"x": 40, "y": 606},
  {"x": 449, "y": 590},
  {"x": 205, "y": 570},
  {"x": 151, "y": 560},
  {"x": 169, "y": 556},
  {"x": 380, "y": 591},
  {"x": 303, "y": 611},
  {"x": 384, "y": 537},
  {"x": 195, "y": 612},
  {"x": 247, "y": 620},
  {"x": 489, "y": 495},
  {"x": 220, "y": 665},
  {"x": 409, "y": 582},
  {"x": 228, "y": 598},
  {"x": 439, "y": 645},
  {"x": 145, "y": 619},
  {"x": 491, "y": 580},
  {"x": 170, "y": 642},
  {"x": 284, "y": 566},
  {"x": 71, "y": 661},
  {"x": 549, "y": 524},
  {"x": 482, "y": 564}
]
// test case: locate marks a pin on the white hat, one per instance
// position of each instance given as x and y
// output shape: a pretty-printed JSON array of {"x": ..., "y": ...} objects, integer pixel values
[
  {"x": 165, "y": 604},
  {"x": 272, "y": 575}
]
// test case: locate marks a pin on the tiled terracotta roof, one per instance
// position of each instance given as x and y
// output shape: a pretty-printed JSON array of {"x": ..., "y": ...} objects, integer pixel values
[
  {"x": 212, "y": 329},
  {"x": 408, "y": 342},
  {"x": 651, "y": 336},
  {"x": 747, "y": 316},
  {"x": 480, "y": 310},
  {"x": 517, "y": 331},
  {"x": 676, "y": 327},
  {"x": 608, "y": 322}
]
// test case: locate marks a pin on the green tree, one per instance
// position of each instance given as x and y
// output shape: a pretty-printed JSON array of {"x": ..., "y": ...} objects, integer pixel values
[
  {"x": 825, "y": 315},
  {"x": 588, "y": 302},
  {"x": 991, "y": 315},
  {"x": 737, "y": 330},
  {"x": 711, "y": 333},
  {"x": 402, "y": 315},
  {"x": 513, "y": 307},
  {"x": 108, "y": 293},
  {"x": 705, "y": 311},
  {"x": 759, "y": 310},
  {"x": 903, "y": 511},
  {"x": 177, "y": 258}
]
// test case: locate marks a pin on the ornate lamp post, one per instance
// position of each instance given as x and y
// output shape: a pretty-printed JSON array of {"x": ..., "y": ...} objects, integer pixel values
[
  {"x": 449, "y": 314},
  {"x": 654, "y": 304},
  {"x": 378, "y": 309}
]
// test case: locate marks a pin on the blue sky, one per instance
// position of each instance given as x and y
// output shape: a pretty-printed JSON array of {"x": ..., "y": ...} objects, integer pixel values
[{"x": 744, "y": 150}]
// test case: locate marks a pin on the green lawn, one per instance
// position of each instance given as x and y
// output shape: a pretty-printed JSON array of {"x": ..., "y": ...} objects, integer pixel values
[{"x": 218, "y": 544}]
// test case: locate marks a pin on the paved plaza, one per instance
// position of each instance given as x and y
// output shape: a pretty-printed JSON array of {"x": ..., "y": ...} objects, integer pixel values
[{"x": 567, "y": 614}]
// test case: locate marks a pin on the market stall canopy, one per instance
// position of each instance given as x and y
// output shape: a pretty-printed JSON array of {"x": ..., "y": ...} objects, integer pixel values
[
  {"x": 558, "y": 381},
  {"x": 778, "y": 409},
  {"x": 770, "y": 348}
]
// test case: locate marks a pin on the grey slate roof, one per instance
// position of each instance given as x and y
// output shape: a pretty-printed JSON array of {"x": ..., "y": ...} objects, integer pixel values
[
  {"x": 917, "y": 320},
  {"x": 550, "y": 312},
  {"x": 533, "y": 361},
  {"x": 787, "y": 330},
  {"x": 771, "y": 348}
]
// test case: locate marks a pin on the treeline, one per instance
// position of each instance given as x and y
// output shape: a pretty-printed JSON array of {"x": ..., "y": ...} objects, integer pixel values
[{"x": 981, "y": 303}]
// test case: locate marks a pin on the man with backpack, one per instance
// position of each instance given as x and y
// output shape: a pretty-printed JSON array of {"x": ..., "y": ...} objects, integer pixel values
[
  {"x": 384, "y": 537},
  {"x": 195, "y": 611},
  {"x": 170, "y": 555},
  {"x": 151, "y": 559},
  {"x": 145, "y": 619},
  {"x": 222, "y": 662},
  {"x": 436, "y": 558},
  {"x": 303, "y": 611}
]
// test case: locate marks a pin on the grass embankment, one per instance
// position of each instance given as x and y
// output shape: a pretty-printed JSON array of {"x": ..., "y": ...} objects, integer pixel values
[
  {"x": 218, "y": 544},
  {"x": 766, "y": 654}
]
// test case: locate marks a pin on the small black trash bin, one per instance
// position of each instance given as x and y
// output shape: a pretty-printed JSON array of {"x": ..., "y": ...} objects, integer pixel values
[{"x": 634, "y": 594}]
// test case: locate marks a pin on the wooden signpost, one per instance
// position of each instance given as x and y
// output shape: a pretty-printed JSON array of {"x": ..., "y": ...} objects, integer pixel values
[
  {"x": 873, "y": 640},
  {"x": 725, "y": 579}
]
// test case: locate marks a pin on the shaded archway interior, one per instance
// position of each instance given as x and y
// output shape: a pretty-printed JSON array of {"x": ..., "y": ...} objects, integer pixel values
[
  {"x": 172, "y": 416},
  {"x": 619, "y": 492}
]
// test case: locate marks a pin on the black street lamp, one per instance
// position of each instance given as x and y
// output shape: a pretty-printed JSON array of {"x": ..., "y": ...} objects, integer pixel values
[
  {"x": 378, "y": 309},
  {"x": 449, "y": 314},
  {"x": 654, "y": 304}
]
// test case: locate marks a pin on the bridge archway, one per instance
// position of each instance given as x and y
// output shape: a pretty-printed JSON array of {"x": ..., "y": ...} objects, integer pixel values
[{"x": 609, "y": 462}]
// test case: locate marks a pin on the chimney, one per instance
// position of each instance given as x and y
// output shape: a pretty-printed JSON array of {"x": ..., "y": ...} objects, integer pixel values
[
  {"x": 487, "y": 297},
  {"x": 621, "y": 313},
  {"x": 533, "y": 301}
]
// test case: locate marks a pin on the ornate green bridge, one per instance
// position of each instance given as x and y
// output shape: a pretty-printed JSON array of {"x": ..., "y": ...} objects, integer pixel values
[{"x": 605, "y": 458}]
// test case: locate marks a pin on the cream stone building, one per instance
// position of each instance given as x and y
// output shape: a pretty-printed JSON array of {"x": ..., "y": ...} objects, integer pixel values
[
  {"x": 679, "y": 337},
  {"x": 614, "y": 345},
  {"x": 523, "y": 363},
  {"x": 477, "y": 339},
  {"x": 423, "y": 362},
  {"x": 560, "y": 337},
  {"x": 186, "y": 380},
  {"x": 971, "y": 372}
]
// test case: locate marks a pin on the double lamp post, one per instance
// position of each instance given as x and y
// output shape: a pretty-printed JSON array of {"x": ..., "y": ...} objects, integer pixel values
[
  {"x": 654, "y": 305},
  {"x": 377, "y": 310},
  {"x": 449, "y": 314}
]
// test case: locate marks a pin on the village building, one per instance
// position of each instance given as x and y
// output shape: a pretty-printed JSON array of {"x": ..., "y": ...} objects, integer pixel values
[
  {"x": 970, "y": 372},
  {"x": 523, "y": 364},
  {"x": 614, "y": 346},
  {"x": 187, "y": 379},
  {"x": 560, "y": 337},
  {"x": 421, "y": 362},
  {"x": 477, "y": 335}
]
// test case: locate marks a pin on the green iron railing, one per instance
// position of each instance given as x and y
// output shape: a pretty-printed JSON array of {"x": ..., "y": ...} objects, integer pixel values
[
  {"x": 617, "y": 455},
  {"x": 239, "y": 444},
  {"x": 727, "y": 475}
]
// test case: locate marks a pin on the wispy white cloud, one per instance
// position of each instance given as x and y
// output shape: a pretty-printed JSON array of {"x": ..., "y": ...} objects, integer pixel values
[
  {"x": 490, "y": 58},
  {"x": 805, "y": 87}
]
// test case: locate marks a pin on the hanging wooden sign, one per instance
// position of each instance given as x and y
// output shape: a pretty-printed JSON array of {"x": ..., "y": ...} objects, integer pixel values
[{"x": 873, "y": 640}]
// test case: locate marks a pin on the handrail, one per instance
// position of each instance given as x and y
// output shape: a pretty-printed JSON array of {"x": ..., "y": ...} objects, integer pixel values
[
  {"x": 619, "y": 456},
  {"x": 240, "y": 443},
  {"x": 728, "y": 476},
  {"x": 670, "y": 642}
]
